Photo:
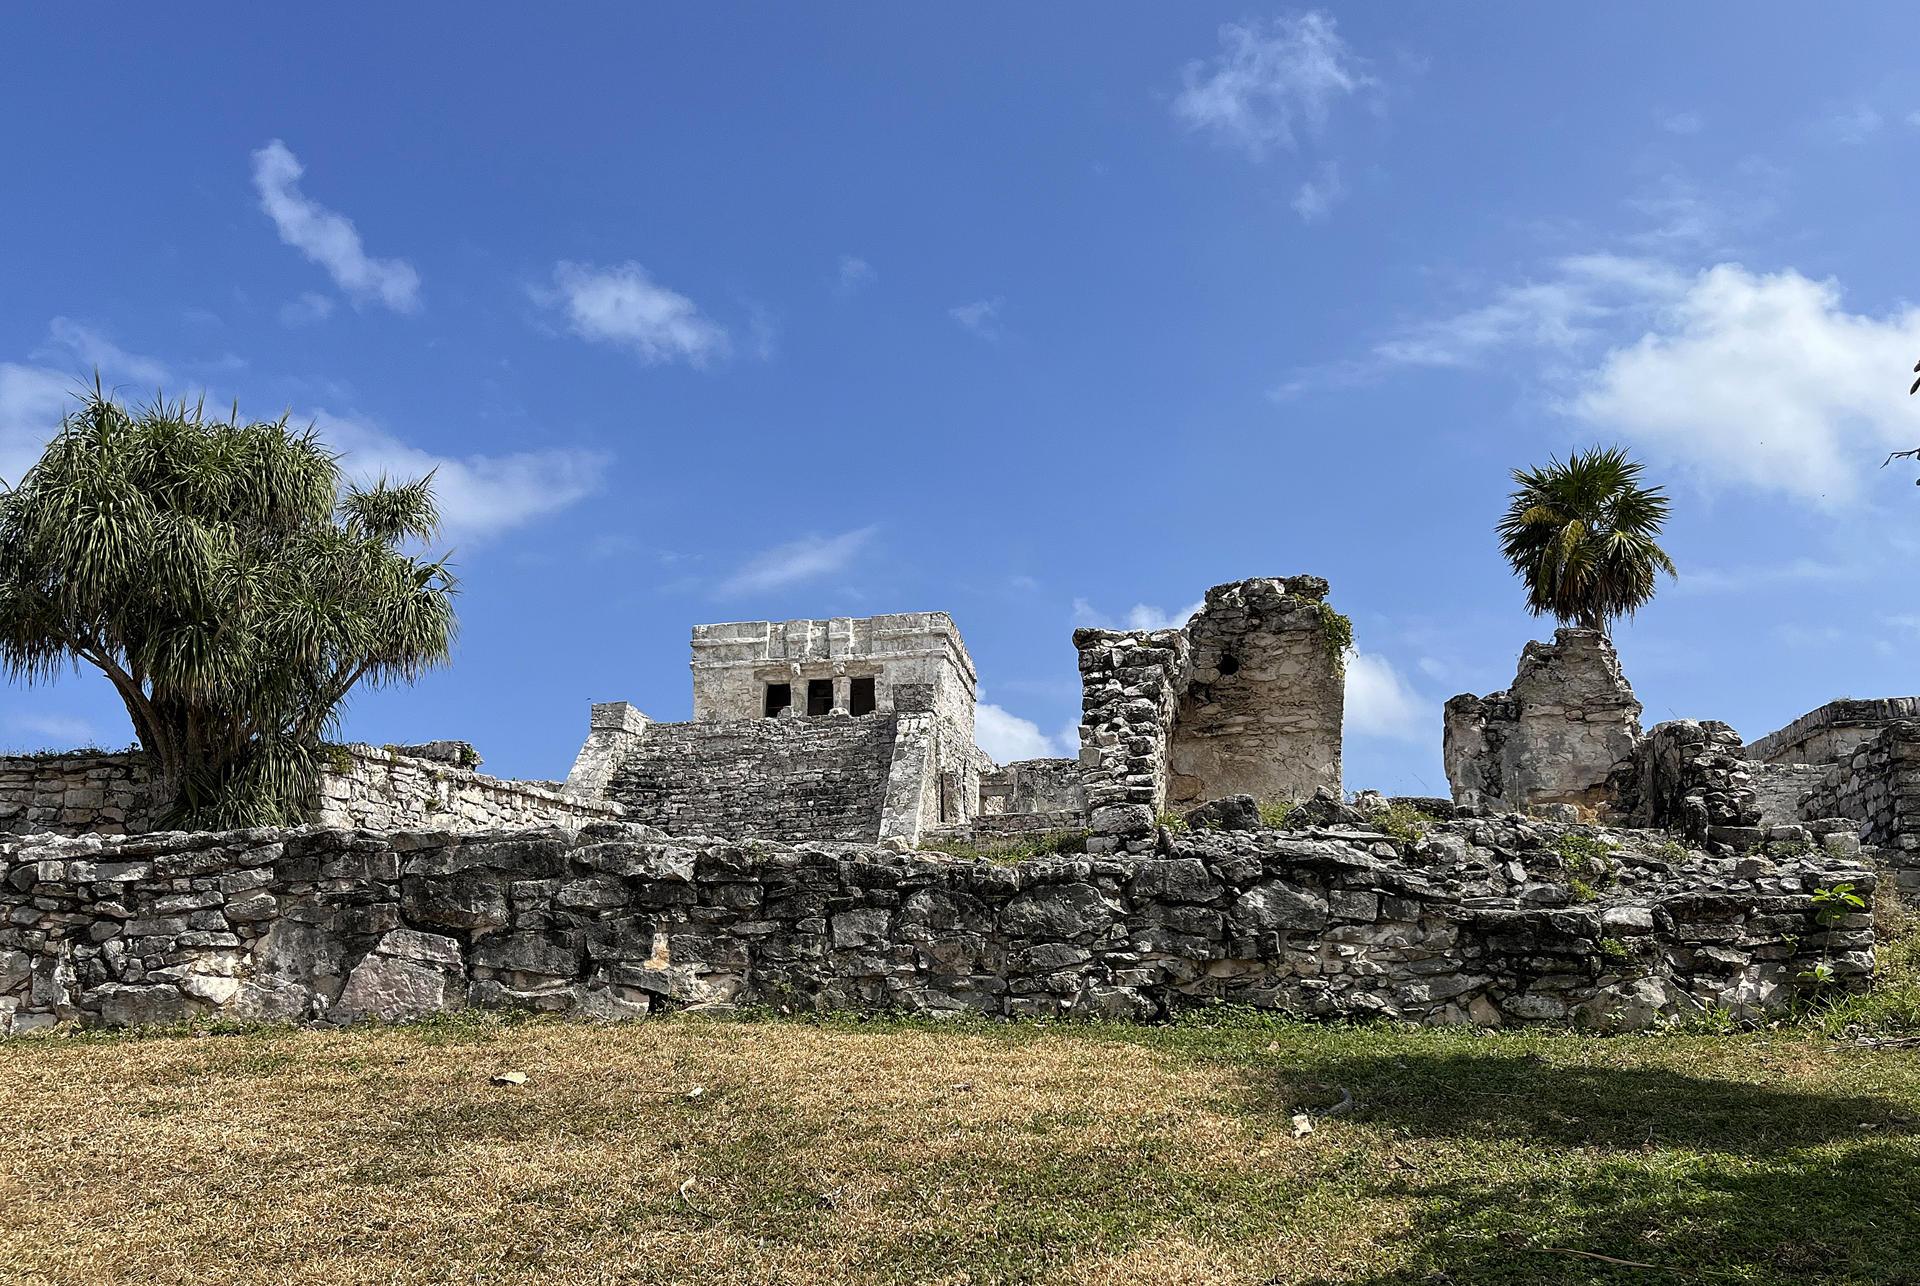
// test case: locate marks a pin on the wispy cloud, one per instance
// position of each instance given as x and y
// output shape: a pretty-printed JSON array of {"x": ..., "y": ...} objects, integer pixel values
[
  {"x": 1141, "y": 616},
  {"x": 1851, "y": 123},
  {"x": 306, "y": 309},
  {"x": 855, "y": 274},
  {"x": 329, "y": 238},
  {"x": 32, "y": 401},
  {"x": 1271, "y": 82},
  {"x": 480, "y": 496},
  {"x": 56, "y": 729},
  {"x": 1682, "y": 123},
  {"x": 805, "y": 559},
  {"x": 622, "y": 305},
  {"x": 981, "y": 317},
  {"x": 1317, "y": 197}
]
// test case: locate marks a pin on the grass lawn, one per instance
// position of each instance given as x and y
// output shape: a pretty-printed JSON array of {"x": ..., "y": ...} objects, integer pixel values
[{"x": 891, "y": 1152}]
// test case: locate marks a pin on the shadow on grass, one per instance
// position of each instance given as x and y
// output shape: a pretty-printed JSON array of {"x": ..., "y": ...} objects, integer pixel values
[{"x": 1512, "y": 1162}]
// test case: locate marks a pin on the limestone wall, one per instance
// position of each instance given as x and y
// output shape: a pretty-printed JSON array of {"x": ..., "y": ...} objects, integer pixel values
[
  {"x": 1477, "y": 922},
  {"x": 1689, "y": 776},
  {"x": 1130, "y": 685},
  {"x": 1264, "y": 696},
  {"x": 83, "y": 793},
  {"x": 361, "y": 786},
  {"x": 1033, "y": 786},
  {"x": 824, "y": 778},
  {"x": 1878, "y": 786},
  {"x": 373, "y": 789},
  {"x": 1554, "y": 737},
  {"x": 1833, "y": 732}
]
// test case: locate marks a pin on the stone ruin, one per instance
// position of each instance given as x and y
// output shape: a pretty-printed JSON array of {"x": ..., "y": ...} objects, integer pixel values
[{"x": 821, "y": 834}]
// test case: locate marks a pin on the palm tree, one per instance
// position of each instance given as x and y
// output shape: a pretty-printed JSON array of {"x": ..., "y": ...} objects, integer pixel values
[
  {"x": 227, "y": 584},
  {"x": 1583, "y": 536}
]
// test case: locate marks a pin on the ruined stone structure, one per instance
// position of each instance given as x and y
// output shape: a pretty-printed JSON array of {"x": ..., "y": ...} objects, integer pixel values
[
  {"x": 1261, "y": 710},
  {"x": 848, "y": 728},
  {"x": 763, "y": 850},
  {"x": 1248, "y": 699},
  {"x": 365, "y": 786},
  {"x": 1479, "y": 921},
  {"x": 1554, "y": 737}
]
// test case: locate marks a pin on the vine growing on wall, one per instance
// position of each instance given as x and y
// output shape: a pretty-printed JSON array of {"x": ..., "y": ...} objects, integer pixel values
[{"x": 1336, "y": 632}]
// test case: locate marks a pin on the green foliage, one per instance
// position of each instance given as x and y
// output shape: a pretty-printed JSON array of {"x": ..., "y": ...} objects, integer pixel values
[
  {"x": 1275, "y": 812},
  {"x": 227, "y": 584},
  {"x": 1671, "y": 851},
  {"x": 1832, "y": 905},
  {"x": 1336, "y": 632},
  {"x": 1583, "y": 536},
  {"x": 1170, "y": 821},
  {"x": 1614, "y": 951},
  {"x": 1011, "y": 849},
  {"x": 1403, "y": 821}
]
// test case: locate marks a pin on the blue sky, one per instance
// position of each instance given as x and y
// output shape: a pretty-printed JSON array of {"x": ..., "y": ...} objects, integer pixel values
[{"x": 1041, "y": 315}]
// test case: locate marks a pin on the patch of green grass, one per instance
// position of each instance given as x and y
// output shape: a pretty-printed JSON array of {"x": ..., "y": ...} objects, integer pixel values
[
  {"x": 1170, "y": 821},
  {"x": 1403, "y": 821},
  {"x": 1275, "y": 812},
  {"x": 1892, "y": 1006},
  {"x": 1010, "y": 849}
]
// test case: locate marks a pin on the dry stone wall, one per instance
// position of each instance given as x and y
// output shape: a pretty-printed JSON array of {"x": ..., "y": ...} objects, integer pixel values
[
  {"x": 81, "y": 793},
  {"x": 1878, "y": 786},
  {"x": 1833, "y": 732},
  {"x": 374, "y": 789},
  {"x": 91, "y": 793},
  {"x": 1690, "y": 776},
  {"x": 1479, "y": 921},
  {"x": 1130, "y": 684}
]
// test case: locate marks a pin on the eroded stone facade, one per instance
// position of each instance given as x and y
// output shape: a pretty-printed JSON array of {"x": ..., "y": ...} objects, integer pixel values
[
  {"x": 1264, "y": 695},
  {"x": 1554, "y": 737}
]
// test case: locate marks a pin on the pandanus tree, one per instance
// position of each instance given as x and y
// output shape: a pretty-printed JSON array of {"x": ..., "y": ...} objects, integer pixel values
[
  {"x": 1583, "y": 536},
  {"x": 230, "y": 586}
]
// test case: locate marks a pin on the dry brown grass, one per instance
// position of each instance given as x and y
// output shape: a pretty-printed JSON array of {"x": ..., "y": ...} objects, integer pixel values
[
  {"x": 899, "y": 1153},
  {"x": 814, "y": 1154}
]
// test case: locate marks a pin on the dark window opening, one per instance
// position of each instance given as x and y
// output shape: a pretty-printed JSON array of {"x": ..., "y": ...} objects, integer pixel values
[
  {"x": 860, "y": 696},
  {"x": 1229, "y": 665},
  {"x": 779, "y": 697},
  {"x": 819, "y": 696}
]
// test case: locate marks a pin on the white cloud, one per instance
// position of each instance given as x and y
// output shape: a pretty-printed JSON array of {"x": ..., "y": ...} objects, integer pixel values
[
  {"x": 624, "y": 306},
  {"x": 1738, "y": 580},
  {"x": 32, "y": 401},
  {"x": 1317, "y": 197},
  {"x": 1852, "y": 123},
  {"x": 1763, "y": 380},
  {"x": 1007, "y": 737},
  {"x": 56, "y": 730},
  {"x": 308, "y": 308},
  {"x": 327, "y": 237},
  {"x": 97, "y": 352},
  {"x": 479, "y": 495},
  {"x": 1141, "y": 616},
  {"x": 982, "y": 317},
  {"x": 1682, "y": 123},
  {"x": 1570, "y": 306},
  {"x": 1270, "y": 80},
  {"x": 799, "y": 560},
  {"x": 855, "y": 273},
  {"x": 1380, "y": 704}
]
